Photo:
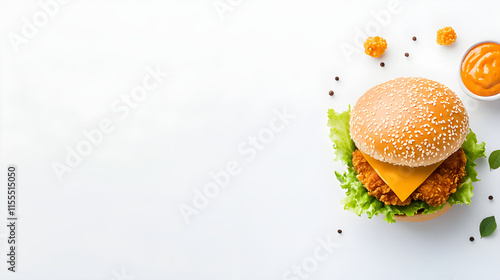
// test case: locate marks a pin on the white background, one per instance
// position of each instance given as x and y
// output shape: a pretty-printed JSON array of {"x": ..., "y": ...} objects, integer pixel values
[{"x": 116, "y": 216}]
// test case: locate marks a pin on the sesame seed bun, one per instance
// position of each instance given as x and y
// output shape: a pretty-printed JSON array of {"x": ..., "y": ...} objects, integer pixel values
[{"x": 409, "y": 121}]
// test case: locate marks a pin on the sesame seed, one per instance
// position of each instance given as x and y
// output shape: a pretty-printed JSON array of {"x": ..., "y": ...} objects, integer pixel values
[{"x": 415, "y": 129}]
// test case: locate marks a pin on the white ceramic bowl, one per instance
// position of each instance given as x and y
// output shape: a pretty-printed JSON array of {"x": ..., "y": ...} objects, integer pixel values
[{"x": 464, "y": 88}]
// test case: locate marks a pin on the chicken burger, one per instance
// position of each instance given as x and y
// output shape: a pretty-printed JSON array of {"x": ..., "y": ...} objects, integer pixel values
[{"x": 409, "y": 150}]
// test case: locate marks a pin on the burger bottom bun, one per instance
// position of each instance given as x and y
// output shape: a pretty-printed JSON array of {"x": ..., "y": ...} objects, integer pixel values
[{"x": 422, "y": 217}]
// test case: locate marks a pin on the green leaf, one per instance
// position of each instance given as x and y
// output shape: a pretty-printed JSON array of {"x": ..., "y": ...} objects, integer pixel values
[
  {"x": 464, "y": 193},
  {"x": 341, "y": 138},
  {"x": 339, "y": 176},
  {"x": 360, "y": 202},
  {"x": 494, "y": 159},
  {"x": 487, "y": 226},
  {"x": 473, "y": 150}
]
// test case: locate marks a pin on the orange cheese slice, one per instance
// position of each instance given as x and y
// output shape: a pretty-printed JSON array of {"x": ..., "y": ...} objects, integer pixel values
[{"x": 403, "y": 180}]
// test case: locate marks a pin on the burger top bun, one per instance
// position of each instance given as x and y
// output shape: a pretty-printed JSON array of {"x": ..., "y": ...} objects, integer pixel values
[{"x": 409, "y": 121}]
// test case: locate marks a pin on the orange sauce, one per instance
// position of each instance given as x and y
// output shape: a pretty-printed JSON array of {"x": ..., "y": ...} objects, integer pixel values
[{"x": 481, "y": 69}]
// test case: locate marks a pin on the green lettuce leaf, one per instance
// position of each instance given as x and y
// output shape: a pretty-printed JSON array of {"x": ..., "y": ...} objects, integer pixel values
[
  {"x": 473, "y": 151},
  {"x": 341, "y": 138},
  {"x": 357, "y": 198}
]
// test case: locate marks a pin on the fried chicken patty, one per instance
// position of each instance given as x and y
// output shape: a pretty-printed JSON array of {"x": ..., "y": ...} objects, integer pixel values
[{"x": 435, "y": 190}]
